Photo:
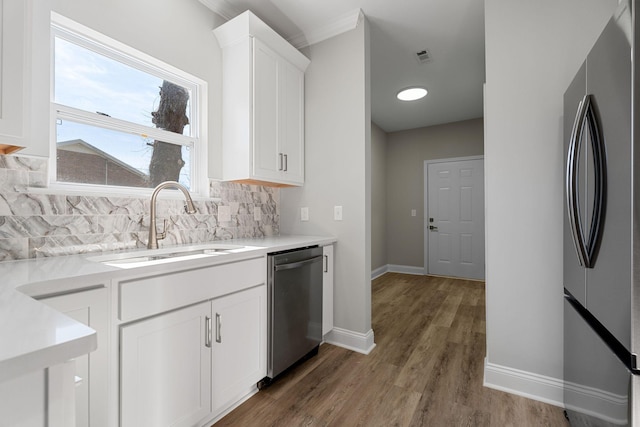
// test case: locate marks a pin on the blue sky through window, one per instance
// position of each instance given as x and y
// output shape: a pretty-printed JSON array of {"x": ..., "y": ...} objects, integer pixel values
[{"x": 94, "y": 83}]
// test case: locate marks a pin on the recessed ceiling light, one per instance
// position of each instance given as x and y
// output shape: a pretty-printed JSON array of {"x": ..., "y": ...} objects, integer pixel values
[{"x": 412, "y": 93}]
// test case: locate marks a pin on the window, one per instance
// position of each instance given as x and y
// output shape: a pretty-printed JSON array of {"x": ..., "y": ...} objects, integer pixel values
[{"x": 122, "y": 118}]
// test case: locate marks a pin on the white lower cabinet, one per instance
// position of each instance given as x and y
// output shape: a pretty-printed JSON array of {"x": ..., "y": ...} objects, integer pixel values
[
  {"x": 166, "y": 369},
  {"x": 327, "y": 289},
  {"x": 91, "y": 370},
  {"x": 185, "y": 367},
  {"x": 239, "y": 345}
]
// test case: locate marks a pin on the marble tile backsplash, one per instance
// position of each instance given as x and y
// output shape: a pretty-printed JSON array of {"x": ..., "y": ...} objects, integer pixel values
[{"x": 34, "y": 223}]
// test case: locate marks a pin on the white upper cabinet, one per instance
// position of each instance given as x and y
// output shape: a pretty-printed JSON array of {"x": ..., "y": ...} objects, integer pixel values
[
  {"x": 14, "y": 73},
  {"x": 24, "y": 77},
  {"x": 262, "y": 104}
]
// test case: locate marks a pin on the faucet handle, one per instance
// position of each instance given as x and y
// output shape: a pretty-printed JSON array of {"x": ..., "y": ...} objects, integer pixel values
[{"x": 164, "y": 231}]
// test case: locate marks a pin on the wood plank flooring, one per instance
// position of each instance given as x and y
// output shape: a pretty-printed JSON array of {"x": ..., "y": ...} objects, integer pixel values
[{"x": 426, "y": 369}]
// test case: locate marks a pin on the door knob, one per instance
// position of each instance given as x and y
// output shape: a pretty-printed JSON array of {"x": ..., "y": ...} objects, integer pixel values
[{"x": 433, "y": 228}]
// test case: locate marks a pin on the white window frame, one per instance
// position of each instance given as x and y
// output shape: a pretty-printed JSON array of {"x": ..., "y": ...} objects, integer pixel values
[{"x": 106, "y": 46}]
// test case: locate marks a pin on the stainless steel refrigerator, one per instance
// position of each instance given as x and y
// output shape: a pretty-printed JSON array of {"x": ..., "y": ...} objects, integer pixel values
[{"x": 601, "y": 230}]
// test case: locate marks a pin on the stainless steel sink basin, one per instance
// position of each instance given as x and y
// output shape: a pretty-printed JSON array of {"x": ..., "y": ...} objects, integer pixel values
[
  {"x": 136, "y": 259},
  {"x": 161, "y": 256}
]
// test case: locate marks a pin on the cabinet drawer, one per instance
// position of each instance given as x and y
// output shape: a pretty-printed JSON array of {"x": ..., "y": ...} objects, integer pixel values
[{"x": 151, "y": 295}]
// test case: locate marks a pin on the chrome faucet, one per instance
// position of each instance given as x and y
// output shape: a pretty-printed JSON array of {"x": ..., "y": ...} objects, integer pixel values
[{"x": 154, "y": 236}]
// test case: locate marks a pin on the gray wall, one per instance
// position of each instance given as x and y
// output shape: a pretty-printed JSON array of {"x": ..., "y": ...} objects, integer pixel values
[
  {"x": 406, "y": 153},
  {"x": 378, "y": 197},
  {"x": 533, "y": 50},
  {"x": 337, "y": 169}
]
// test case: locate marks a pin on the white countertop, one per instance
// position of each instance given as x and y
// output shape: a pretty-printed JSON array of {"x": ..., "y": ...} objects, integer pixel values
[{"x": 34, "y": 336}]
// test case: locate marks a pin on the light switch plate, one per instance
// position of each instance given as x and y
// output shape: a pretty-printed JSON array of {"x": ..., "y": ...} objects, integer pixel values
[
  {"x": 413, "y": 212},
  {"x": 337, "y": 213},
  {"x": 224, "y": 213},
  {"x": 304, "y": 214},
  {"x": 257, "y": 213}
]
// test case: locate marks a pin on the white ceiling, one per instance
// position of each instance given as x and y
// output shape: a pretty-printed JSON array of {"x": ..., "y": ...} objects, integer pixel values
[{"x": 452, "y": 32}]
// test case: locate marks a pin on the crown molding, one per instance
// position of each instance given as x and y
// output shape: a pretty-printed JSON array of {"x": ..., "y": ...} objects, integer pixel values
[
  {"x": 222, "y": 8},
  {"x": 341, "y": 24}
]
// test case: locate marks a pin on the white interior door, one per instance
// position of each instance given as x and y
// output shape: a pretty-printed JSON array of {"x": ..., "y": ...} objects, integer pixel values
[{"x": 454, "y": 226}]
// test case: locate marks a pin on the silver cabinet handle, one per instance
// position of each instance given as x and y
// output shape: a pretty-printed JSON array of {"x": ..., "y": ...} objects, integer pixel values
[
  {"x": 280, "y": 167},
  {"x": 586, "y": 115},
  {"x": 207, "y": 331},
  {"x": 286, "y": 163},
  {"x": 218, "y": 328}
]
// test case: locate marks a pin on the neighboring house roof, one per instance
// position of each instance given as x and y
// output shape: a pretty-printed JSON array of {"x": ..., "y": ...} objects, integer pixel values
[{"x": 81, "y": 146}]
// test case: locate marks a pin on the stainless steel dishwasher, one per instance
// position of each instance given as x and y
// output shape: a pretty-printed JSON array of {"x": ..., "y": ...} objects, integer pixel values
[{"x": 295, "y": 308}]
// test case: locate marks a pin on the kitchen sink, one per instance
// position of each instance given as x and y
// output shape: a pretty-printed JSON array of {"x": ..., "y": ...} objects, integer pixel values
[{"x": 161, "y": 256}]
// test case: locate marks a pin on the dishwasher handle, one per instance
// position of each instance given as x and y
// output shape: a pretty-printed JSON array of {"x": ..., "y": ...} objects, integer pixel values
[{"x": 298, "y": 264}]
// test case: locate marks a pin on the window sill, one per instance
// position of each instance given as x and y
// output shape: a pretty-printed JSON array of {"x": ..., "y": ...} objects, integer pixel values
[{"x": 90, "y": 190}]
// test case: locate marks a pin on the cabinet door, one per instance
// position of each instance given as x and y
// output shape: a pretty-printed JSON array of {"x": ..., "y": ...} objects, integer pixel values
[
  {"x": 14, "y": 68},
  {"x": 165, "y": 369},
  {"x": 327, "y": 290},
  {"x": 91, "y": 370},
  {"x": 267, "y": 159},
  {"x": 291, "y": 100},
  {"x": 239, "y": 345},
  {"x": 278, "y": 117}
]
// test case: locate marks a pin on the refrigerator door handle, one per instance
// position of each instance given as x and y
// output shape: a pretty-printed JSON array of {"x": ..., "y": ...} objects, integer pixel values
[
  {"x": 586, "y": 116},
  {"x": 599, "y": 182},
  {"x": 573, "y": 207}
]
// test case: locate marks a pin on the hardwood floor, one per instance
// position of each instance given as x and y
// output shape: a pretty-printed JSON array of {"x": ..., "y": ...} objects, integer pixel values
[{"x": 426, "y": 369}]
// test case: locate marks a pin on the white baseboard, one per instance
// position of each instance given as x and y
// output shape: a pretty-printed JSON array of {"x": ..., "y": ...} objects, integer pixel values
[
  {"x": 587, "y": 400},
  {"x": 379, "y": 272},
  {"x": 596, "y": 403},
  {"x": 394, "y": 268},
  {"x": 406, "y": 269},
  {"x": 362, "y": 343},
  {"x": 533, "y": 386}
]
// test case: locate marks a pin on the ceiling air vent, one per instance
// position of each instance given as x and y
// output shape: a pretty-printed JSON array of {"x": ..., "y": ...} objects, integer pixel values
[{"x": 423, "y": 56}]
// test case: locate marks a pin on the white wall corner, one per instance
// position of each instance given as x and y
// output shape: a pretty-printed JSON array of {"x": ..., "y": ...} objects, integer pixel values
[
  {"x": 356, "y": 341},
  {"x": 522, "y": 383}
]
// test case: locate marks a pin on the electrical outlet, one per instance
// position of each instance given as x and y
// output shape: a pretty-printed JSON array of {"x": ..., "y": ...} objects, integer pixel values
[
  {"x": 413, "y": 212},
  {"x": 304, "y": 214},
  {"x": 224, "y": 213},
  {"x": 337, "y": 213}
]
